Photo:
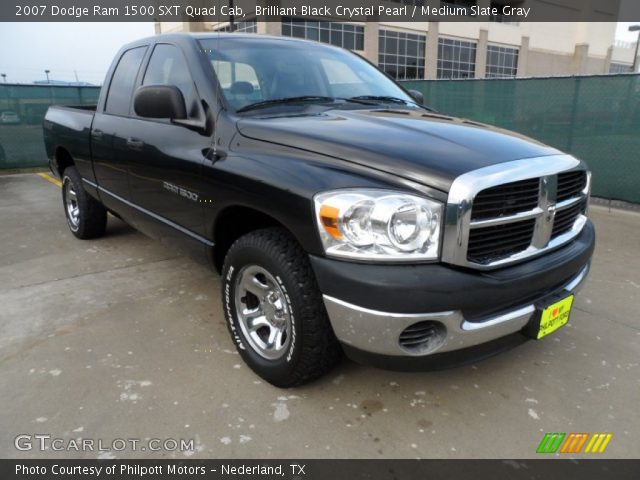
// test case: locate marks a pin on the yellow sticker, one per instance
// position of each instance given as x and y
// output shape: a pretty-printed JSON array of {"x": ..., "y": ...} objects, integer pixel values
[{"x": 555, "y": 316}]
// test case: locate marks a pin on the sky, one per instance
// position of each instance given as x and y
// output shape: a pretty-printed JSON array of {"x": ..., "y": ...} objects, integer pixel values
[
  {"x": 623, "y": 33},
  {"x": 28, "y": 49}
]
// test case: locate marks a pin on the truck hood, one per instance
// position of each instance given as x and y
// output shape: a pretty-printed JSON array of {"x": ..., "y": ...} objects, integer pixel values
[{"x": 428, "y": 148}]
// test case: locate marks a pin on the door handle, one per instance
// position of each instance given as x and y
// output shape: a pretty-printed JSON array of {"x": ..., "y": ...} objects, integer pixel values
[
  {"x": 96, "y": 134},
  {"x": 134, "y": 143}
]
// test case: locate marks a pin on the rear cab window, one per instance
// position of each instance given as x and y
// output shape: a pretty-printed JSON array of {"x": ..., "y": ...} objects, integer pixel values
[{"x": 123, "y": 81}]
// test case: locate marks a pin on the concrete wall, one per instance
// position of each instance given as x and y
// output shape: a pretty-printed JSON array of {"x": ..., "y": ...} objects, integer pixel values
[
  {"x": 545, "y": 49},
  {"x": 542, "y": 64},
  {"x": 169, "y": 27},
  {"x": 623, "y": 54}
]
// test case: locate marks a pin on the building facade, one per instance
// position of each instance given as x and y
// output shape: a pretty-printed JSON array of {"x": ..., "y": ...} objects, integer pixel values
[{"x": 451, "y": 50}]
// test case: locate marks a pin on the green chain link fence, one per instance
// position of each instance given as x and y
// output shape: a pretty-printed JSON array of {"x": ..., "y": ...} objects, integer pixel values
[
  {"x": 22, "y": 108},
  {"x": 595, "y": 118}
]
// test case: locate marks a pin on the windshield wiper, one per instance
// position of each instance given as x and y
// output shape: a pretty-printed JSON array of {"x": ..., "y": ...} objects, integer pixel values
[
  {"x": 381, "y": 98},
  {"x": 388, "y": 99},
  {"x": 303, "y": 99},
  {"x": 284, "y": 101}
]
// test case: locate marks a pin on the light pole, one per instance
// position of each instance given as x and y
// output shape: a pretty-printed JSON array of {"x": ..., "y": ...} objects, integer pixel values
[
  {"x": 4, "y": 80},
  {"x": 46, "y": 72},
  {"x": 231, "y": 19},
  {"x": 635, "y": 28}
]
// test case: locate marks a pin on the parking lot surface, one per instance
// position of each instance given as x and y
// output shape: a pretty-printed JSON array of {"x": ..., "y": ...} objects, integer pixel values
[{"x": 122, "y": 338}]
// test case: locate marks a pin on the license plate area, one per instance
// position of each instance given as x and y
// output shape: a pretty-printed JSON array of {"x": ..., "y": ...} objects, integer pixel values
[{"x": 550, "y": 316}]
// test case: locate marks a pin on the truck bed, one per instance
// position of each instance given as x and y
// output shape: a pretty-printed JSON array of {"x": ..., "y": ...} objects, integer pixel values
[{"x": 69, "y": 126}]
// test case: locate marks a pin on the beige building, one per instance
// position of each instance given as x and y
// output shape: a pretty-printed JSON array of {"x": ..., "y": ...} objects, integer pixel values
[{"x": 429, "y": 50}]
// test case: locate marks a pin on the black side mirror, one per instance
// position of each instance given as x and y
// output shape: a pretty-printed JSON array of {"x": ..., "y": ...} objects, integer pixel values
[
  {"x": 417, "y": 96},
  {"x": 160, "y": 101}
]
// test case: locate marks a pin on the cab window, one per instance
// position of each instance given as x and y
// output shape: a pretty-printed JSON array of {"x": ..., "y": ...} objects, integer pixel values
[
  {"x": 168, "y": 66},
  {"x": 239, "y": 82},
  {"x": 123, "y": 80}
]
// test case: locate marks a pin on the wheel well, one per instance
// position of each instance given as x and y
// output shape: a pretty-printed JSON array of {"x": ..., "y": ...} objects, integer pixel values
[
  {"x": 234, "y": 222},
  {"x": 63, "y": 159}
]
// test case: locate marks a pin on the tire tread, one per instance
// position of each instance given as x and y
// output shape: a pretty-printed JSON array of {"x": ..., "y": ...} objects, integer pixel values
[
  {"x": 93, "y": 215},
  {"x": 320, "y": 349}
]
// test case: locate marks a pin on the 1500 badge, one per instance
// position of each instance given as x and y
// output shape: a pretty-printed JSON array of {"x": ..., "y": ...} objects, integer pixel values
[{"x": 183, "y": 192}]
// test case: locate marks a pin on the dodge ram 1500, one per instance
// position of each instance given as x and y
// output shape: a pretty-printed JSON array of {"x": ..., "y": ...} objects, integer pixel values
[{"x": 342, "y": 214}]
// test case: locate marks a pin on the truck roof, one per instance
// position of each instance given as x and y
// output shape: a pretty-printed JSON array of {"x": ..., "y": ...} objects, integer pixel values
[{"x": 182, "y": 36}]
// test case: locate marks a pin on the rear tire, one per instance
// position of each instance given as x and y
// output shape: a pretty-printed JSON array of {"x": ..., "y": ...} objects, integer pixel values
[
  {"x": 86, "y": 217},
  {"x": 274, "y": 309}
]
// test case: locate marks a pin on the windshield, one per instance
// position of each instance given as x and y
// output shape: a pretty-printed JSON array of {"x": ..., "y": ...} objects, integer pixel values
[{"x": 252, "y": 70}]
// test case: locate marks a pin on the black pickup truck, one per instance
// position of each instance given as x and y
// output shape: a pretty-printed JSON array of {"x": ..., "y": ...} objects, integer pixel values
[{"x": 342, "y": 214}]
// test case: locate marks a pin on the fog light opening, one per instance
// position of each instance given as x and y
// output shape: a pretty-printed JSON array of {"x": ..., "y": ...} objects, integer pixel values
[{"x": 423, "y": 337}]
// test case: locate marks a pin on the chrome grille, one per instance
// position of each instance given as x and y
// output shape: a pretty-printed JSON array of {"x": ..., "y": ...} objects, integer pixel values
[
  {"x": 506, "y": 199},
  {"x": 492, "y": 243},
  {"x": 564, "y": 219},
  {"x": 570, "y": 184},
  {"x": 509, "y": 212}
]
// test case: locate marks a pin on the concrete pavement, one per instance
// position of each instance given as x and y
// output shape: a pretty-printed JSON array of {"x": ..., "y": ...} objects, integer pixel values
[{"x": 121, "y": 338}]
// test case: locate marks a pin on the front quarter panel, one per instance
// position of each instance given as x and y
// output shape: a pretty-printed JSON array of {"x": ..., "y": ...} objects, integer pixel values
[{"x": 281, "y": 182}]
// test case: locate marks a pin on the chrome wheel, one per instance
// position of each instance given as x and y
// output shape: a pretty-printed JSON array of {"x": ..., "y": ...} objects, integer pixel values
[
  {"x": 71, "y": 204},
  {"x": 263, "y": 312}
]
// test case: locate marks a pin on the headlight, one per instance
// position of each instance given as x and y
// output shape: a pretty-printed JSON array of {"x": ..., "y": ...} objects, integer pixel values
[{"x": 369, "y": 224}]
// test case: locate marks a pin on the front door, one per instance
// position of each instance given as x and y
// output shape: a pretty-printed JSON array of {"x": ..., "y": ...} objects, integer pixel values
[{"x": 166, "y": 160}]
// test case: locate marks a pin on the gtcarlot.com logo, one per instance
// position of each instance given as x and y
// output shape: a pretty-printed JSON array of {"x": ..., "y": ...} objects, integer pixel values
[
  {"x": 46, "y": 442},
  {"x": 574, "y": 443}
]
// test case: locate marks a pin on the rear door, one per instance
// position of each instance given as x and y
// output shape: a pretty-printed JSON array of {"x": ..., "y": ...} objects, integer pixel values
[
  {"x": 109, "y": 124},
  {"x": 166, "y": 160}
]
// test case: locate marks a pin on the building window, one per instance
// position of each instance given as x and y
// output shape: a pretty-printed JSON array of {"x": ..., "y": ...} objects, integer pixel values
[
  {"x": 456, "y": 58},
  {"x": 244, "y": 26},
  {"x": 401, "y": 55},
  {"x": 457, "y": 5},
  {"x": 620, "y": 68},
  {"x": 460, "y": 3},
  {"x": 500, "y": 18},
  {"x": 502, "y": 62},
  {"x": 417, "y": 3},
  {"x": 343, "y": 35}
]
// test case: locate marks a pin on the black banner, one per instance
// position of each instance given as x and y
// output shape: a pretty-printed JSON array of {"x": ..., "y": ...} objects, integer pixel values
[
  {"x": 343, "y": 10},
  {"x": 322, "y": 469}
]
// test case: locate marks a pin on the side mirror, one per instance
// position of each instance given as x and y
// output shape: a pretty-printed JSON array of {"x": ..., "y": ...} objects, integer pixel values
[
  {"x": 160, "y": 101},
  {"x": 417, "y": 96}
]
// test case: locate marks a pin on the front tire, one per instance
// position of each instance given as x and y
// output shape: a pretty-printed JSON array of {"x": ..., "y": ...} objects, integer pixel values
[
  {"x": 86, "y": 217},
  {"x": 274, "y": 309}
]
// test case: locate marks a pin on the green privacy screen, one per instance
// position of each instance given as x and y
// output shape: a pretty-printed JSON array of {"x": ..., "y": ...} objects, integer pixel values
[
  {"x": 22, "y": 108},
  {"x": 596, "y": 119}
]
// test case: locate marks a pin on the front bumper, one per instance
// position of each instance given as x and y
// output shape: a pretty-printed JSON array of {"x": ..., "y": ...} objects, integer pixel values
[{"x": 370, "y": 306}]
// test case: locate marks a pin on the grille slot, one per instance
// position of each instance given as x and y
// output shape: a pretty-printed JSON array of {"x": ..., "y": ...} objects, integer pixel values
[
  {"x": 565, "y": 218},
  {"x": 489, "y": 244},
  {"x": 506, "y": 199},
  {"x": 571, "y": 184}
]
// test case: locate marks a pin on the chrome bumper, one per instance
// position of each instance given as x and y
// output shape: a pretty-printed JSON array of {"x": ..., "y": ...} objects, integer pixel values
[{"x": 379, "y": 332}]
